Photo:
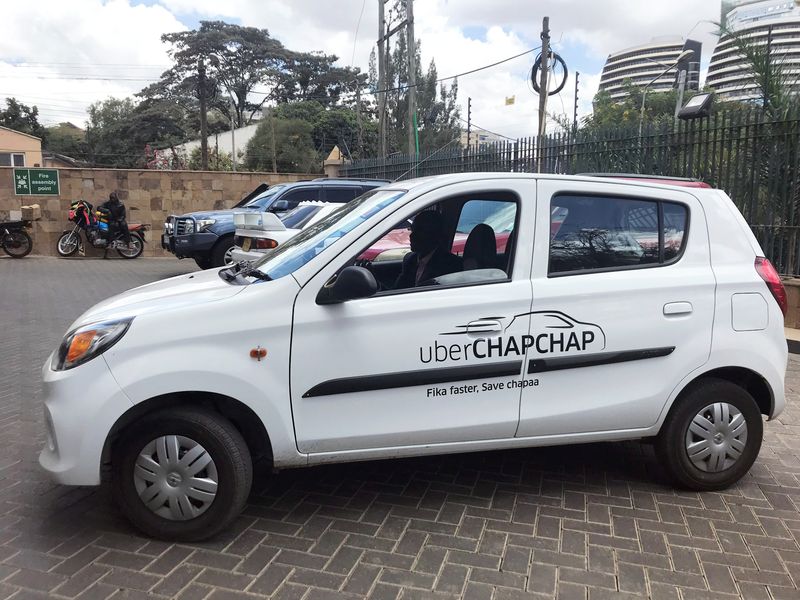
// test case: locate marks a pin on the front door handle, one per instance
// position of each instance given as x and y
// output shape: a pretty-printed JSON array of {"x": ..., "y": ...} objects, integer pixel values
[
  {"x": 484, "y": 326},
  {"x": 675, "y": 309}
]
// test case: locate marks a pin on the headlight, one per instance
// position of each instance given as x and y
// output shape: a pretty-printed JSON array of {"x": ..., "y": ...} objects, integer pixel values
[
  {"x": 87, "y": 341},
  {"x": 203, "y": 224}
]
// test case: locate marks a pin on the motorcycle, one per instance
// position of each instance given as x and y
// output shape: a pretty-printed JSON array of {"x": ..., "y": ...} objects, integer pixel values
[
  {"x": 16, "y": 242},
  {"x": 95, "y": 226}
]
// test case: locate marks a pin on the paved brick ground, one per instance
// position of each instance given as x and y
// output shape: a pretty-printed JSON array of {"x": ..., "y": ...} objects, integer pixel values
[{"x": 583, "y": 521}]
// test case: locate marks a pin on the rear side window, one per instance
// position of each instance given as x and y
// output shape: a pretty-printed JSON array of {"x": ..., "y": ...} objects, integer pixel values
[
  {"x": 340, "y": 194},
  {"x": 601, "y": 233}
]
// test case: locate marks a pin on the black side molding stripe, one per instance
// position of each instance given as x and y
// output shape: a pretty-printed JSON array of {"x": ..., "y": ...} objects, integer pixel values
[
  {"x": 366, "y": 383},
  {"x": 543, "y": 365}
]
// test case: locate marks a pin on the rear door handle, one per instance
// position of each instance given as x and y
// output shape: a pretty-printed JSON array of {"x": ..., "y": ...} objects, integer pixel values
[{"x": 674, "y": 309}]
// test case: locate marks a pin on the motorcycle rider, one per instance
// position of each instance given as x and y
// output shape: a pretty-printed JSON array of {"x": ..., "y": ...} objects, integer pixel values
[{"x": 116, "y": 218}]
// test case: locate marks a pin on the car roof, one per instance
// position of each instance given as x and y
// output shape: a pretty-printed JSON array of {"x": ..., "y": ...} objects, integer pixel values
[{"x": 420, "y": 184}]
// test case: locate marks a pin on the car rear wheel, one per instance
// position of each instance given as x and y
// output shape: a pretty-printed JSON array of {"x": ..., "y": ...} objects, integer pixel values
[
  {"x": 711, "y": 437},
  {"x": 181, "y": 474}
]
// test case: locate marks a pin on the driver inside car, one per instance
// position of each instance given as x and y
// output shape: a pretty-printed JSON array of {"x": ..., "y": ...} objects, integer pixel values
[{"x": 427, "y": 259}]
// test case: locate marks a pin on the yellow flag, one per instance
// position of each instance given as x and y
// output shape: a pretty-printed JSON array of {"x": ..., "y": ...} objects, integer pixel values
[{"x": 510, "y": 100}]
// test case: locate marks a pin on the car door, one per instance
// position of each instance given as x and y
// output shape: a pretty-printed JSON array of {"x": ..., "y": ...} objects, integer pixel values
[
  {"x": 623, "y": 305},
  {"x": 401, "y": 368}
]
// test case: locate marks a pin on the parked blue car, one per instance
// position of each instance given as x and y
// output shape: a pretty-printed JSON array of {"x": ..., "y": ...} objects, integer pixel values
[{"x": 207, "y": 236}]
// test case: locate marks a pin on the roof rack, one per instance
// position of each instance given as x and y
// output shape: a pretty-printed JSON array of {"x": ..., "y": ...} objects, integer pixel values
[
  {"x": 350, "y": 179},
  {"x": 679, "y": 181},
  {"x": 639, "y": 176}
]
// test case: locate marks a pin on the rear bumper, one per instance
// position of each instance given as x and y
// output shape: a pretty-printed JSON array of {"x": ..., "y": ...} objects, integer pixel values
[{"x": 239, "y": 255}]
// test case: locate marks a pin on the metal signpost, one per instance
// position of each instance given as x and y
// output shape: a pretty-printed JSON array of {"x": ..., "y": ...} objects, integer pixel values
[{"x": 36, "y": 182}]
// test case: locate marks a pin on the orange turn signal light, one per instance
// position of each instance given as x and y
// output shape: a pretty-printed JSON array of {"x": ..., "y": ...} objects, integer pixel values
[
  {"x": 80, "y": 344},
  {"x": 258, "y": 353}
]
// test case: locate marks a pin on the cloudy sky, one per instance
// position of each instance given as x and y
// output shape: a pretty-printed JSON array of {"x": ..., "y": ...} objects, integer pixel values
[{"x": 62, "y": 55}]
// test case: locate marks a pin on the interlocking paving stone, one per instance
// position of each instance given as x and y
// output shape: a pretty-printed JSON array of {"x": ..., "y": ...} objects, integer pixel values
[{"x": 594, "y": 521}]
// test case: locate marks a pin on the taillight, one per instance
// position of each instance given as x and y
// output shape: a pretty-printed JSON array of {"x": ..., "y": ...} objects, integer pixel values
[
  {"x": 265, "y": 243},
  {"x": 773, "y": 281}
]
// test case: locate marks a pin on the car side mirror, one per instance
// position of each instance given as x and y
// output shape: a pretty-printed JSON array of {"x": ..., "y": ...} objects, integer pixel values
[
  {"x": 279, "y": 206},
  {"x": 350, "y": 284}
]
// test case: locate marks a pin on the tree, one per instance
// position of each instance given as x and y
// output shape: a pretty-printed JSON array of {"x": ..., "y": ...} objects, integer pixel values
[
  {"x": 282, "y": 146},
  {"x": 608, "y": 113},
  {"x": 314, "y": 76},
  {"x": 335, "y": 126},
  {"x": 67, "y": 139},
  {"x": 236, "y": 59},
  {"x": 217, "y": 161},
  {"x": 23, "y": 118},
  {"x": 119, "y": 130},
  {"x": 108, "y": 134},
  {"x": 438, "y": 115}
]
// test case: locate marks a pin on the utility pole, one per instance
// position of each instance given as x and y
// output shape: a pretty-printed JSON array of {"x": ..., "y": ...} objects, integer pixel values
[
  {"x": 575, "y": 108},
  {"x": 382, "y": 76},
  {"x": 358, "y": 120},
  {"x": 201, "y": 93},
  {"x": 469, "y": 122},
  {"x": 544, "y": 68},
  {"x": 233, "y": 135},
  {"x": 413, "y": 139}
]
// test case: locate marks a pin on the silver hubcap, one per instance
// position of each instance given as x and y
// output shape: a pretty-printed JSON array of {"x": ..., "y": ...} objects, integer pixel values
[
  {"x": 716, "y": 437},
  {"x": 175, "y": 477},
  {"x": 229, "y": 256}
]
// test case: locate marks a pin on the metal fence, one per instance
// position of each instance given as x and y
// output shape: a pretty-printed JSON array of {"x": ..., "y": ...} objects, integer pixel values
[{"x": 756, "y": 160}]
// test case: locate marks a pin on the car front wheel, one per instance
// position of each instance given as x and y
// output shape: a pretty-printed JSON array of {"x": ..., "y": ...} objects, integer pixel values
[
  {"x": 181, "y": 474},
  {"x": 711, "y": 437}
]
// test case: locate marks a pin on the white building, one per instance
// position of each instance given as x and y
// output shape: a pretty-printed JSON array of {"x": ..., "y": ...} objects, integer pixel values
[
  {"x": 773, "y": 22},
  {"x": 223, "y": 142},
  {"x": 640, "y": 65}
]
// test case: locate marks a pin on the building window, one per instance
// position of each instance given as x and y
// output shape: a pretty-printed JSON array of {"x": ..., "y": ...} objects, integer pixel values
[{"x": 12, "y": 159}]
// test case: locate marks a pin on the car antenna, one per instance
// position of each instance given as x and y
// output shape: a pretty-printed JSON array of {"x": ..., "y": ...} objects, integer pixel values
[{"x": 425, "y": 159}]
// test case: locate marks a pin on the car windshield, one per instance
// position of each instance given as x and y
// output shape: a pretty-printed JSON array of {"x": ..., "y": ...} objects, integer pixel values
[
  {"x": 300, "y": 249},
  {"x": 296, "y": 218},
  {"x": 260, "y": 200}
]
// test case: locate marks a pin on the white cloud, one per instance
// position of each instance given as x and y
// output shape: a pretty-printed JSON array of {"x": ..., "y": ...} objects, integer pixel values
[
  {"x": 50, "y": 50},
  {"x": 86, "y": 33}
]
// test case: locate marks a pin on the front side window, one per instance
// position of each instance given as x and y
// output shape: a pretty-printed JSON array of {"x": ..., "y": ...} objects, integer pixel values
[
  {"x": 458, "y": 241},
  {"x": 597, "y": 233},
  {"x": 304, "y": 194}
]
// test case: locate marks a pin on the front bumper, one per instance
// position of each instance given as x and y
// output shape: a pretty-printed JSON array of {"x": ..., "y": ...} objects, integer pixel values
[
  {"x": 189, "y": 245},
  {"x": 81, "y": 406}
]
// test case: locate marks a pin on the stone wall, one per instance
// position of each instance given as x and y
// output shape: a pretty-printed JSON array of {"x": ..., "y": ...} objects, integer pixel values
[{"x": 150, "y": 196}]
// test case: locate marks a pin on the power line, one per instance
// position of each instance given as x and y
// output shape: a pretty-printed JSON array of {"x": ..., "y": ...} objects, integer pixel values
[{"x": 476, "y": 126}]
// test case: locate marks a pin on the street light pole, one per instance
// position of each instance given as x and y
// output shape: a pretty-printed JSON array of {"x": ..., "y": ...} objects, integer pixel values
[{"x": 681, "y": 56}]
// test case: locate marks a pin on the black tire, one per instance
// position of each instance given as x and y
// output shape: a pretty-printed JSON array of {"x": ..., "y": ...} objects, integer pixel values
[
  {"x": 137, "y": 241},
  {"x": 204, "y": 262},
  {"x": 18, "y": 244},
  {"x": 223, "y": 443},
  {"x": 61, "y": 251},
  {"x": 671, "y": 443},
  {"x": 220, "y": 249}
]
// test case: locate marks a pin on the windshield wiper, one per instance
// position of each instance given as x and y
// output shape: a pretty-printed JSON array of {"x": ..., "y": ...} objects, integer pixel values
[{"x": 246, "y": 269}]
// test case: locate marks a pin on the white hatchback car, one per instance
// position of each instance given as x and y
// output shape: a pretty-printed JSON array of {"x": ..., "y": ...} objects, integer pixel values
[{"x": 600, "y": 310}]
